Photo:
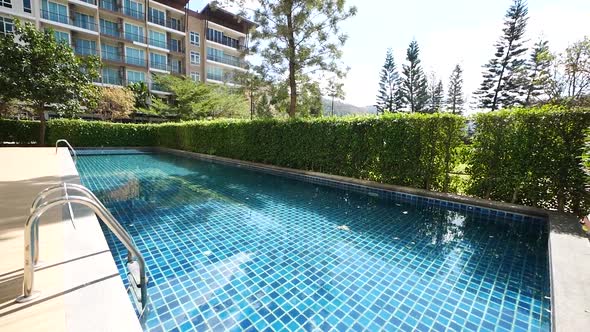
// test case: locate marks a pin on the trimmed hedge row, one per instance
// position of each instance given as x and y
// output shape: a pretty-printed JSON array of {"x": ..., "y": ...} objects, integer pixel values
[
  {"x": 531, "y": 157},
  {"x": 411, "y": 150},
  {"x": 95, "y": 133},
  {"x": 19, "y": 132}
]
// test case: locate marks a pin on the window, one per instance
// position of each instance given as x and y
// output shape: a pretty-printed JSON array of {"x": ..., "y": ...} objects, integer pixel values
[
  {"x": 157, "y": 39},
  {"x": 134, "y": 56},
  {"x": 61, "y": 37},
  {"x": 158, "y": 61},
  {"x": 214, "y": 73},
  {"x": 110, "y": 52},
  {"x": 134, "y": 32},
  {"x": 6, "y": 25},
  {"x": 85, "y": 47},
  {"x": 84, "y": 21},
  {"x": 133, "y": 9},
  {"x": 219, "y": 37},
  {"x": 108, "y": 4},
  {"x": 6, "y": 3},
  {"x": 157, "y": 16},
  {"x": 216, "y": 55},
  {"x": 135, "y": 76},
  {"x": 175, "y": 24},
  {"x": 175, "y": 45},
  {"x": 195, "y": 38},
  {"x": 27, "y": 6},
  {"x": 110, "y": 76},
  {"x": 109, "y": 28},
  {"x": 54, "y": 11},
  {"x": 196, "y": 77},
  {"x": 195, "y": 58}
]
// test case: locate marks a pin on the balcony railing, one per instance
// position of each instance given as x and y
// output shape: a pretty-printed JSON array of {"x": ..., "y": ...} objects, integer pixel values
[
  {"x": 157, "y": 43},
  {"x": 175, "y": 68},
  {"x": 135, "y": 61},
  {"x": 113, "y": 32},
  {"x": 108, "y": 5},
  {"x": 111, "y": 56},
  {"x": 175, "y": 47},
  {"x": 226, "y": 59},
  {"x": 90, "y": 2},
  {"x": 85, "y": 51},
  {"x": 168, "y": 22},
  {"x": 159, "y": 65},
  {"x": 133, "y": 13},
  {"x": 55, "y": 17},
  {"x": 140, "y": 38}
]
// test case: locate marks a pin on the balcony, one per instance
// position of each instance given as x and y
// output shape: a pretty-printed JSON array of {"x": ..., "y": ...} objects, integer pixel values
[
  {"x": 175, "y": 47},
  {"x": 138, "y": 15},
  {"x": 140, "y": 62},
  {"x": 111, "y": 56},
  {"x": 175, "y": 68},
  {"x": 159, "y": 66},
  {"x": 85, "y": 51},
  {"x": 227, "y": 60},
  {"x": 64, "y": 19},
  {"x": 157, "y": 43},
  {"x": 110, "y": 5},
  {"x": 111, "y": 32},
  {"x": 90, "y": 2},
  {"x": 130, "y": 36},
  {"x": 168, "y": 23}
]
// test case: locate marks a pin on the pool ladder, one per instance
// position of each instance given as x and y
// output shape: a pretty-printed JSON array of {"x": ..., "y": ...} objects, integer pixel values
[{"x": 135, "y": 263}]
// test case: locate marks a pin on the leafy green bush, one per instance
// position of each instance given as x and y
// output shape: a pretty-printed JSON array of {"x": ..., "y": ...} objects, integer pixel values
[
  {"x": 19, "y": 132},
  {"x": 96, "y": 133},
  {"x": 413, "y": 150},
  {"x": 531, "y": 157}
]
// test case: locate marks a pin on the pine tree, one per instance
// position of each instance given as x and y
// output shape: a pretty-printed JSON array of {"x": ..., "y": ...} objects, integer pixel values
[
  {"x": 502, "y": 86},
  {"x": 455, "y": 98},
  {"x": 539, "y": 72},
  {"x": 436, "y": 95},
  {"x": 414, "y": 85},
  {"x": 388, "y": 86}
]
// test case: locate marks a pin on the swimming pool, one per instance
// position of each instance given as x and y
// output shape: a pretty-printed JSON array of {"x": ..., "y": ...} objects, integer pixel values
[{"x": 234, "y": 249}]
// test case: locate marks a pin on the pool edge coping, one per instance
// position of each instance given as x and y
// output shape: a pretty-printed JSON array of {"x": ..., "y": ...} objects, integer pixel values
[{"x": 567, "y": 242}]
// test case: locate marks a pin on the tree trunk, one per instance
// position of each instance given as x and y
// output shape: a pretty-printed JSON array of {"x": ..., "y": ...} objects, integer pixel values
[
  {"x": 42, "y": 124},
  {"x": 292, "y": 69}
]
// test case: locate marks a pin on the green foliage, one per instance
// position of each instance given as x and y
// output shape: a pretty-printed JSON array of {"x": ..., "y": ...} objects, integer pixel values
[
  {"x": 82, "y": 133},
  {"x": 531, "y": 157},
  {"x": 388, "y": 97},
  {"x": 414, "y": 85},
  {"x": 198, "y": 100},
  {"x": 41, "y": 71},
  {"x": 142, "y": 94},
  {"x": 503, "y": 85},
  {"x": 298, "y": 37},
  {"x": 412, "y": 150},
  {"x": 19, "y": 132}
]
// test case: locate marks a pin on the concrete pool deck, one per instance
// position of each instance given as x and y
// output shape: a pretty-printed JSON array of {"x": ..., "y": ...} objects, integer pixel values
[{"x": 80, "y": 286}]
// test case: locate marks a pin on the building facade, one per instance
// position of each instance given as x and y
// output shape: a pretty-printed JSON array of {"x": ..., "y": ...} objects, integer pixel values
[{"x": 136, "y": 39}]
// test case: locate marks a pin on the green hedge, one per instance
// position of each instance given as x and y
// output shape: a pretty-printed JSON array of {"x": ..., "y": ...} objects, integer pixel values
[
  {"x": 19, "y": 132},
  {"x": 412, "y": 150},
  {"x": 531, "y": 157},
  {"x": 97, "y": 133}
]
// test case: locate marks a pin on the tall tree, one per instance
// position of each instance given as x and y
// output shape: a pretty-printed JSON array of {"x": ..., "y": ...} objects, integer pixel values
[
  {"x": 334, "y": 91},
  {"x": 388, "y": 86},
  {"x": 455, "y": 97},
  {"x": 502, "y": 86},
  {"x": 296, "y": 38},
  {"x": 115, "y": 103},
  {"x": 436, "y": 95},
  {"x": 414, "y": 84},
  {"x": 539, "y": 72},
  {"x": 37, "y": 69},
  {"x": 577, "y": 69}
]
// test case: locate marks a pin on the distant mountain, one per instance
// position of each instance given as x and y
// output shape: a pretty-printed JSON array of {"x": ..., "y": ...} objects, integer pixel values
[{"x": 343, "y": 109}]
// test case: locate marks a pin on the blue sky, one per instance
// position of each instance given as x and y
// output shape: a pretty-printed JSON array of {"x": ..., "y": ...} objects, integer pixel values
[{"x": 448, "y": 32}]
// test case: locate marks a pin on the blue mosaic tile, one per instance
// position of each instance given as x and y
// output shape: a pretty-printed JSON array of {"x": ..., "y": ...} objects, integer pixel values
[{"x": 229, "y": 248}]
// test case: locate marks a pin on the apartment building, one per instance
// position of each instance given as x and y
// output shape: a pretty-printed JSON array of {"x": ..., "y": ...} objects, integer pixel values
[
  {"x": 136, "y": 39},
  {"x": 216, "y": 44}
]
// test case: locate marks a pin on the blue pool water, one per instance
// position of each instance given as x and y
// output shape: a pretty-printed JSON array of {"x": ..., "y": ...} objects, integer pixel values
[{"x": 232, "y": 249}]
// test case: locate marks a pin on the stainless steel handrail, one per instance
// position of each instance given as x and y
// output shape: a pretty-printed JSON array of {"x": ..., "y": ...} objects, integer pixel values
[
  {"x": 80, "y": 189},
  {"x": 31, "y": 230},
  {"x": 69, "y": 146}
]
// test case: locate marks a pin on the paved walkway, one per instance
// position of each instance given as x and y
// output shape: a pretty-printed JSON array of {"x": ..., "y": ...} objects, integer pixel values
[{"x": 80, "y": 287}]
